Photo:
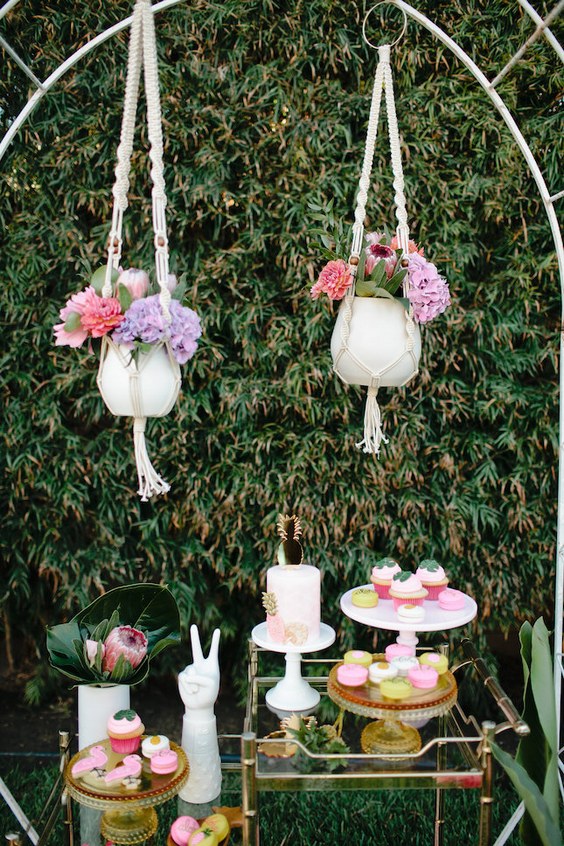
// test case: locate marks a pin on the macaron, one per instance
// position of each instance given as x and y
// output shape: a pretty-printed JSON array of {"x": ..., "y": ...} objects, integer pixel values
[
  {"x": 164, "y": 762},
  {"x": 409, "y": 613},
  {"x": 358, "y": 656},
  {"x": 451, "y": 600},
  {"x": 398, "y": 688},
  {"x": 364, "y": 598},
  {"x": 435, "y": 660},
  {"x": 182, "y": 828},
  {"x": 404, "y": 663},
  {"x": 394, "y": 650},
  {"x": 380, "y": 670},
  {"x": 154, "y": 743},
  {"x": 423, "y": 677},
  {"x": 352, "y": 675}
]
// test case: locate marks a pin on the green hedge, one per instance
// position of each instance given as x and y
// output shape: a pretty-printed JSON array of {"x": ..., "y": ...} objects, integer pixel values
[{"x": 264, "y": 110}]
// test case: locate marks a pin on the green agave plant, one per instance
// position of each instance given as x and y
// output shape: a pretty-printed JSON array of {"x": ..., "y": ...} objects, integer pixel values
[
  {"x": 534, "y": 771},
  {"x": 150, "y": 608}
]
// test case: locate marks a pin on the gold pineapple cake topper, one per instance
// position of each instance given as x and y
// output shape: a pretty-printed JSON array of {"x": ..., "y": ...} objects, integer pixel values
[{"x": 290, "y": 552}]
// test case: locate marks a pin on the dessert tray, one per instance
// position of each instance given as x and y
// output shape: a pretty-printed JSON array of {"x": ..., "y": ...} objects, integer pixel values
[
  {"x": 368, "y": 701},
  {"x": 128, "y": 804},
  {"x": 384, "y": 616}
]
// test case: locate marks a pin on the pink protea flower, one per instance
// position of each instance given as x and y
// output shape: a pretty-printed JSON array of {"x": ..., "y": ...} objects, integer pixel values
[
  {"x": 428, "y": 292},
  {"x": 333, "y": 280},
  {"x": 126, "y": 641},
  {"x": 75, "y": 305},
  {"x": 136, "y": 282},
  {"x": 100, "y": 314}
]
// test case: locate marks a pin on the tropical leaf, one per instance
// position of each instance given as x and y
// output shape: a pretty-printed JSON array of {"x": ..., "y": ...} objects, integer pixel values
[{"x": 547, "y": 830}]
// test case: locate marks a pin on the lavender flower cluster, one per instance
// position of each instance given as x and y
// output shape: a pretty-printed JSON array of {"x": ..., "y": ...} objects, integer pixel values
[
  {"x": 145, "y": 322},
  {"x": 428, "y": 292}
]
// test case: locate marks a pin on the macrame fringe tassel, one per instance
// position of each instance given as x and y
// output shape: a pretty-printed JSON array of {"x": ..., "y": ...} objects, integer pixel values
[
  {"x": 150, "y": 483},
  {"x": 373, "y": 434}
]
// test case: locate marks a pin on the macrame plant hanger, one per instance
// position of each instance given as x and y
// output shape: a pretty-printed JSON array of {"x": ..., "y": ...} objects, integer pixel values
[
  {"x": 142, "y": 53},
  {"x": 373, "y": 433}
]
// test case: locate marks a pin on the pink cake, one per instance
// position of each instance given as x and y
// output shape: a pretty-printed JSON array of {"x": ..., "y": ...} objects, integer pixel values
[
  {"x": 182, "y": 828},
  {"x": 294, "y": 594},
  {"x": 396, "y": 649},
  {"x": 352, "y": 675}
]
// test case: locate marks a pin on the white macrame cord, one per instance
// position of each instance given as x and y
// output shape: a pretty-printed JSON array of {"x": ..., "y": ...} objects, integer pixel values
[
  {"x": 142, "y": 54},
  {"x": 373, "y": 432}
]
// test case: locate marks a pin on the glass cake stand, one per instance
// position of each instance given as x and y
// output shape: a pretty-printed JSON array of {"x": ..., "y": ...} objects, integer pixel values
[
  {"x": 293, "y": 693},
  {"x": 129, "y": 810},
  {"x": 392, "y": 733}
]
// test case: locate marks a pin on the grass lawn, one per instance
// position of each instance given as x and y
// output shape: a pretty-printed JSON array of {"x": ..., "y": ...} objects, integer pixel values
[{"x": 320, "y": 819}]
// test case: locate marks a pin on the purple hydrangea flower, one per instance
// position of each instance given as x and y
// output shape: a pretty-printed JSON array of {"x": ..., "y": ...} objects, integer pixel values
[
  {"x": 185, "y": 329},
  {"x": 428, "y": 292},
  {"x": 144, "y": 321}
]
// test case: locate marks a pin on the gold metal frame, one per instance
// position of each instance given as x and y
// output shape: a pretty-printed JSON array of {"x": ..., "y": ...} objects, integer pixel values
[{"x": 455, "y": 732}]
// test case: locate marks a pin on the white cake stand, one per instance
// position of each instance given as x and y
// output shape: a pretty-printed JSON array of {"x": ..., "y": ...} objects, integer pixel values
[
  {"x": 293, "y": 693},
  {"x": 383, "y": 616}
]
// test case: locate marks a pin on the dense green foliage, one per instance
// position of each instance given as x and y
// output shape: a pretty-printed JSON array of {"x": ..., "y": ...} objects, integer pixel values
[{"x": 265, "y": 107}]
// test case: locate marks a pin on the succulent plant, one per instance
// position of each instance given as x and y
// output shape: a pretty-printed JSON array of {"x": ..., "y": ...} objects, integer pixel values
[{"x": 290, "y": 552}]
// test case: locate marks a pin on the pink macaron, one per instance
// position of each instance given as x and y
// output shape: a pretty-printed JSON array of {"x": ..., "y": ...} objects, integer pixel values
[
  {"x": 423, "y": 677},
  {"x": 352, "y": 675},
  {"x": 182, "y": 828},
  {"x": 394, "y": 650},
  {"x": 451, "y": 600},
  {"x": 164, "y": 762}
]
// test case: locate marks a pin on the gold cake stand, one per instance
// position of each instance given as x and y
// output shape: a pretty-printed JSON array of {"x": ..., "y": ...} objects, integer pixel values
[
  {"x": 392, "y": 733},
  {"x": 129, "y": 811}
]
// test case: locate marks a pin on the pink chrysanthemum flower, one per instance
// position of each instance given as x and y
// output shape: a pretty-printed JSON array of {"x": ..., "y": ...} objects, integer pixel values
[
  {"x": 333, "y": 280},
  {"x": 100, "y": 314},
  {"x": 126, "y": 641},
  {"x": 428, "y": 292},
  {"x": 75, "y": 305}
]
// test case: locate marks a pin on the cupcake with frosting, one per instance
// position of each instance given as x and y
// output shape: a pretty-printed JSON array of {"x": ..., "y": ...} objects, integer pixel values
[
  {"x": 124, "y": 730},
  {"x": 432, "y": 577},
  {"x": 406, "y": 587},
  {"x": 382, "y": 575}
]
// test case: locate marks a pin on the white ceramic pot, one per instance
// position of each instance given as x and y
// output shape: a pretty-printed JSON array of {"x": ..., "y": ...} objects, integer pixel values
[
  {"x": 96, "y": 704},
  {"x": 378, "y": 345},
  {"x": 143, "y": 387}
]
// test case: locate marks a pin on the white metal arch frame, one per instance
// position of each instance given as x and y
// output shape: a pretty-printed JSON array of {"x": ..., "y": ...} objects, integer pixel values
[{"x": 548, "y": 199}]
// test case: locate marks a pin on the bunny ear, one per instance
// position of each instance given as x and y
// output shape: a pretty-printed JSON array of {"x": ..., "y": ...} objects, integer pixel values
[{"x": 196, "y": 645}]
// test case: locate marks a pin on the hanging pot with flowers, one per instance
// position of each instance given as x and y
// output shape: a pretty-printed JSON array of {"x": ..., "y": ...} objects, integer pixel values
[
  {"x": 387, "y": 287},
  {"x": 146, "y": 331}
]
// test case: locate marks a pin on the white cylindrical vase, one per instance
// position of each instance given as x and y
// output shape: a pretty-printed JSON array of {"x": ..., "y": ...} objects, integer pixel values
[{"x": 96, "y": 704}]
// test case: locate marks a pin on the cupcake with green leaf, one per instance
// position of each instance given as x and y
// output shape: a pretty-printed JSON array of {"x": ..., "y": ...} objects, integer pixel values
[
  {"x": 407, "y": 587},
  {"x": 382, "y": 575},
  {"x": 432, "y": 577}
]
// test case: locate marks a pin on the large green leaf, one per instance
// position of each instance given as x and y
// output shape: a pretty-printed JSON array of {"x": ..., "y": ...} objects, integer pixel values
[
  {"x": 548, "y": 831},
  {"x": 148, "y": 607}
]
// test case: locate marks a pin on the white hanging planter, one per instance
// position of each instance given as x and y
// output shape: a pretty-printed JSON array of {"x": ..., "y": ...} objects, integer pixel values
[
  {"x": 142, "y": 385},
  {"x": 96, "y": 704},
  {"x": 382, "y": 346}
]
